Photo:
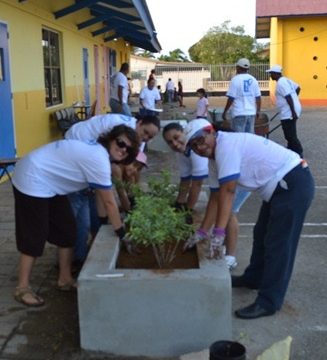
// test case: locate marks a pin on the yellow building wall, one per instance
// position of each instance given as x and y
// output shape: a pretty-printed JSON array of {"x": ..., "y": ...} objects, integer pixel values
[
  {"x": 33, "y": 121},
  {"x": 299, "y": 45}
]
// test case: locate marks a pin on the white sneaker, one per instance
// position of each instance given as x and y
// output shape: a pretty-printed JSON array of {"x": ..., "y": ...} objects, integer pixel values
[{"x": 231, "y": 262}]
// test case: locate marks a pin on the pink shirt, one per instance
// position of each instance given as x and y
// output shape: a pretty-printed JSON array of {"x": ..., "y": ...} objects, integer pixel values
[{"x": 202, "y": 107}]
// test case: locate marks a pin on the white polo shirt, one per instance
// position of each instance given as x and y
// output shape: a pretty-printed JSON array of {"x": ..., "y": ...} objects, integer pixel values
[
  {"x": 100, "y": 124},
  {"x": 149, "y": 97},
  {"x": 256, "y": 163},
  {"x": 243, "y": 89},
  {"x": 193, "y": 167},
  {"x": 286, "y": 87},
  {"x": 63, "y": 167}
]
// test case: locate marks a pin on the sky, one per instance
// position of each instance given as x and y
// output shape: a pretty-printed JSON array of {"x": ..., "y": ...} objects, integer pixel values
[{"x": 182, "y": 23}]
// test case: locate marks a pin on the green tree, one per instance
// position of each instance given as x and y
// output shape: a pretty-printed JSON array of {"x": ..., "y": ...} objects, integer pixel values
[
  {"x": 143, "y": 53},
  {"x": 176, "y": 55},
  {"x": 224, "y": 45}
]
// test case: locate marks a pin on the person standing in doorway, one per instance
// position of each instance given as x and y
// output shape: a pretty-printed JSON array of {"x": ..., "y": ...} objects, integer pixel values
[
  {"x": 120, "y": 91},
  {"x": 289, "y": 107},
  {"x": 244, "y": 98}
]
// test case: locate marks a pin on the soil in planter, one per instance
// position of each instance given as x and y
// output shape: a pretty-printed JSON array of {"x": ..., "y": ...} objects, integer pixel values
[{"x": 146, "y": 260}]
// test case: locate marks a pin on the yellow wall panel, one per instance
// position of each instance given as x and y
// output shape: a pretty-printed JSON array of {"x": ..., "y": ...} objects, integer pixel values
[
  {"x": 300, "y": 46},
  {"x": 33, "y": 123}
]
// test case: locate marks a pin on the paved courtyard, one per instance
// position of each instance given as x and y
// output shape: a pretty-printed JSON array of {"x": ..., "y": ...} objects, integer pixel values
[{"x": 52, "y": 332}]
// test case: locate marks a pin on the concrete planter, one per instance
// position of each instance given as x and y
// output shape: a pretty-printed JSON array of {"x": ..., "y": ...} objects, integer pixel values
[{"x": 151, "y": 312}]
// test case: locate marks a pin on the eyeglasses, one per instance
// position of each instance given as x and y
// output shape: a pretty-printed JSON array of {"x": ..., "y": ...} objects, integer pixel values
[{"x": 122, "y": 145}]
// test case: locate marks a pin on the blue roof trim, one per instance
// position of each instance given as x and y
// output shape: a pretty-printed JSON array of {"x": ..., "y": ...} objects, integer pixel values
[
  {"x": 72, "y": 8},
  {"x": 229, "y": 178},
  {"x": 135, "y": 27}
]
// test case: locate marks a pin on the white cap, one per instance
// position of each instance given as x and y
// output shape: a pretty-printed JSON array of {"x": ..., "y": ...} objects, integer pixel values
[
  {"x": 243, "y": 63},
  {"x": 194, "y": 126},
  {"x": 275, "y": 69}
]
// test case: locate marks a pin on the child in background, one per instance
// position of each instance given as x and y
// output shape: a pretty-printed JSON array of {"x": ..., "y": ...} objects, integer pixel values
[{"x": 202, "y": 104}]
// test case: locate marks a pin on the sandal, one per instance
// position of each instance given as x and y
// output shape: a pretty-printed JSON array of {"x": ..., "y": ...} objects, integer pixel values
[
  {"x": 68, "y": 286},
  {"x": 24, "y": 295}
]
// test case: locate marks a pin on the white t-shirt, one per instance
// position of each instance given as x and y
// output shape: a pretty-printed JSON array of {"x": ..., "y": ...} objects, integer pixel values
[
  {"x": 63, "y": 167},
  {"x": 91, "y": 129},
  {"x": 243, "y": 89},
  {"x": 149, "y": 97},
  {"x": 170, "y": 85},
  {"x": 202, "y": 107},
  {"x": 256, "y": 163},
  {"x": 119, "y": 79},
  {"x": 193, "y": 167},
  {"x": 286, "y": 87}
]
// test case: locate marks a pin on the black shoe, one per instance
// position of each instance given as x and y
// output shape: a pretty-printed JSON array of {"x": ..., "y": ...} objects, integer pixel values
[
  {"x": 253, "y": 311},
  {"x": 239, "y": 281}
]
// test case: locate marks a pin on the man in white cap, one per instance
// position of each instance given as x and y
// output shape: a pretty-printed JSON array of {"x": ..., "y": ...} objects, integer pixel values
[
  {"x": 283, "y": 181},
  {"x": 244, "y": 98},
  {"x": 289, "y": 107}
]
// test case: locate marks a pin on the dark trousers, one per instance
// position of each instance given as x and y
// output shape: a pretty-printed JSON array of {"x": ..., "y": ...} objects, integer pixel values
[
  {"x": 290, "y": 134},
  {"x": 276, "y": 235}
]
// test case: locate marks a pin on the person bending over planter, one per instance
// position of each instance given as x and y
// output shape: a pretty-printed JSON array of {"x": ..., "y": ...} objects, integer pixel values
[
  {"x": 146, "y": 127},
  {"x": 124, "y": 176},
  {"x": 87, "y": 206},
  {"x": 286, "y": 186},
  {"x": 41, "y": 181},
  {"x": 193, "y": 168}
]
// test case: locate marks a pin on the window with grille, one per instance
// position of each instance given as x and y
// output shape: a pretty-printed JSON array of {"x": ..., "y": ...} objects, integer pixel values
[{"x": 52, "y": 71}]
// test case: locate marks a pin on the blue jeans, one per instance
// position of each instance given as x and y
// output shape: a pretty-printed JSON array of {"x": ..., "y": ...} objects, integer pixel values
[
  {"x": 244, "y": 123},
  {"x": 276, "y": 235},
  {"x": 79, "y": 202},
  {"x": 118, "y": 108},
  {"x": 170, "y": 95}
]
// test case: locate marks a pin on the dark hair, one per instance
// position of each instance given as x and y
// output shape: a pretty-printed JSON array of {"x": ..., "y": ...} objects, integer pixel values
[
  {"x": 148, "y": 119},
  {"x": 116, "y": 131},
  {"x": 202, "y": 91},
  {"x": 172, "y": 126},
  {"x": 124, "y": 67}
]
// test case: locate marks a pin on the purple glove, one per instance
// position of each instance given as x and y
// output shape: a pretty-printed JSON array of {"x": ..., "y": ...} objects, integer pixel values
[
  {"x": 217, "y": 239},
  {"x": 199, "y": 235}
]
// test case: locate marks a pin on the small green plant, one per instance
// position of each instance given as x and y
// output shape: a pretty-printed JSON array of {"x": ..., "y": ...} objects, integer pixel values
[{"x": 154, "y": 222}]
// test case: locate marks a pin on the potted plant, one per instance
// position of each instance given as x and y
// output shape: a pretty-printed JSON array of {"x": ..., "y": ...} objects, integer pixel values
[{"x": 156, "y": 223}]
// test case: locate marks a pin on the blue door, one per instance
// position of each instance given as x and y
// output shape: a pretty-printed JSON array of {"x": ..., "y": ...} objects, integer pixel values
[
  {"x": 7, "y": 140},
  {"x": 86, "y": 76}
]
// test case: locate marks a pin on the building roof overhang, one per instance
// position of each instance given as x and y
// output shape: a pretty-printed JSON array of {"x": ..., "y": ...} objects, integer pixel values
[{"x": 114, "y": 19}]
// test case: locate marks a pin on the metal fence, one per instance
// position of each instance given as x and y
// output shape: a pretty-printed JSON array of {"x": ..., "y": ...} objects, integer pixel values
[{"x": 194, "y": 76}]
